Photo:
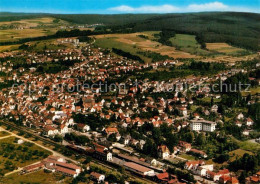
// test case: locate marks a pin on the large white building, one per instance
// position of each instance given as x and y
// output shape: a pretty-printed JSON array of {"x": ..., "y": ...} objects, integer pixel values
[{"x": 202, "y": 125}]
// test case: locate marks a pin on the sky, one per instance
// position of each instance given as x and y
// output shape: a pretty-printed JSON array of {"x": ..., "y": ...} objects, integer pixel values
[{"x": 127, "y": 6}]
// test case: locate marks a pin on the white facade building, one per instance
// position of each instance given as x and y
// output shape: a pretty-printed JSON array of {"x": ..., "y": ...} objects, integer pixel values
[{"x": 203, "y": 125}]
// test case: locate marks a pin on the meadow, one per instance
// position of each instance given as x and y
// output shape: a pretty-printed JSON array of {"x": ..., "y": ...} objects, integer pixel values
[
  {"x": 13, "y": 155},
  {"x": 16, "y": 34}
]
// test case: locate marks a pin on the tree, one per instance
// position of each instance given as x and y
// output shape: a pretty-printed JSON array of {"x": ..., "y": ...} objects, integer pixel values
[
  {"x": 58, "y": 138},
  {"x": 189, "y": 137},
  {"x": 112, "y": 137},
  {"x": 242, "y": 177},
  {"x": 201, "y": 139}
]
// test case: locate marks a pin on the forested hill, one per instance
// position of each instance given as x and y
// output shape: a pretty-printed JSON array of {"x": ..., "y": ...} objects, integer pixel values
[{"x": 239, "y": 29}]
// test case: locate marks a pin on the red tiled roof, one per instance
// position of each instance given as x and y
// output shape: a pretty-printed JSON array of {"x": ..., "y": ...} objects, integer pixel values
[
  {"x": 161, "y": 176},
  {"x": 95, "y": 175},
  {"x": 64, "y": 170},
  {"x": 254, "y": 179},
  {"x": 111, "y": 130},
  {"x": 224, "y": 171},
  {"x": 68, "y": 165}
]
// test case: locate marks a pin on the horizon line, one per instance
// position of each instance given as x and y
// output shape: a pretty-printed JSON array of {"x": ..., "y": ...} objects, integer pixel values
[{"x": 52, "y": 13}]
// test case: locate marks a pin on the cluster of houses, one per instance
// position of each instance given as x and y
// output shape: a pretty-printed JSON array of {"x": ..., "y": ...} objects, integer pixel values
[
  {"x": 46, "y": 102},
  {"x": 199, "y": 167},
  {"x": 183, "y": 147}
]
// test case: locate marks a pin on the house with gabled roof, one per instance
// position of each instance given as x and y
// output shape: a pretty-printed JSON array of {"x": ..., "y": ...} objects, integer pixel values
[{"x": 163, "y": 151}]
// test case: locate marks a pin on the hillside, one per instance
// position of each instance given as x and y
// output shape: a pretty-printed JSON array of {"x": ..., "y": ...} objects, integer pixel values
[{"x": 238, "y": 29}]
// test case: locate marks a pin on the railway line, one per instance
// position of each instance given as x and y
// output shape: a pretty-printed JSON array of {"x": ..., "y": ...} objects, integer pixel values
[{"x": 47, "y": 141}]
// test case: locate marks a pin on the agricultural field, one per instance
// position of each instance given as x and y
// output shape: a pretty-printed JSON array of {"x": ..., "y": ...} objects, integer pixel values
[
  {"x": 184, "y": 46},
  {"x": 227, "y": 49},
  {"x": 6, "y": 48},
  {"x": 36, "y": 177},
  {"x": 16, "y": 34},
  {"x": 28, "y": 28},
  {"x": 13, "y": 155},
  {"x": 133, "y": 43},
  {"x": 32, "y": 23}
]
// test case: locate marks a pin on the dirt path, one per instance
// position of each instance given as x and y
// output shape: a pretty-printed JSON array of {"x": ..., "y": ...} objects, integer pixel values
[{"x": 44, "y": 147}]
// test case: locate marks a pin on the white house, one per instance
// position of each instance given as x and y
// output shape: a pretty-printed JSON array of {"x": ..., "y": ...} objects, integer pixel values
[
  {"x": 202, "y": 170},
  {"x": 109, "y": 156},
  {"x": 163, "y": 152},
  {"x": 64, "y": 129},
  {"x": 240, "y": 116},
  {"x": 249, "y": 122},
  {"x": 97, "y": 177},
  {"x": 82, "y": 127},
  {"x": 49, "y": 130},
  {"x": 214, "y": 108},
  {"x": 20, "y": 141}
]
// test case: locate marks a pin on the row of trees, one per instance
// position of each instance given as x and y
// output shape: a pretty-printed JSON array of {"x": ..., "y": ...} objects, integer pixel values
[{"x": 127, "y": 54}]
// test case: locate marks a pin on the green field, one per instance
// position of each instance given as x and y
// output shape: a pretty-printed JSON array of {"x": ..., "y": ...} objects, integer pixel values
[
  {"x": 111, "y": 42},
  {"x": 13, "y": 155},
  {"x": 14, "y": 35},
  {"x": 188, "y": 43},
  {"x": 248, "y": 146},
  {"x": 237, "y": 154},
  {"x": 186, "y": 156}
]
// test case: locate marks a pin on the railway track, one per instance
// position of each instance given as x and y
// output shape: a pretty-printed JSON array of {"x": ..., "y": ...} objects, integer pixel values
[
  {"x": 19, "y": 128},
  {"x": 47, "y": 141}
]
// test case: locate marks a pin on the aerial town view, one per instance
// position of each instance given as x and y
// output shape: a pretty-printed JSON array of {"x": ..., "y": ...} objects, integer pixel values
[{"x": 129, "y": 92}]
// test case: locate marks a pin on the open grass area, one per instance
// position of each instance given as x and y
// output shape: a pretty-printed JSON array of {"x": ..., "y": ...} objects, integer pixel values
[
  {"x": 14, "y": 34},
  {"x": 51, "y": 44},
  {"x": 9, "y": 48},
  {"x": 186, "y": 156},
  {"x": 226, "y": 49},
  {"x": 248, "y": 146},
  {"x": 188, "y": 43},
  {"x": 13, "y": 155},
  {"x": 4, "y": 133},
  {"x": 185, "y": 46},
  {"x": 29, "y": 22},
  {"x": 238, "y": 153},
  {"x": 36, "y": 177}
]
